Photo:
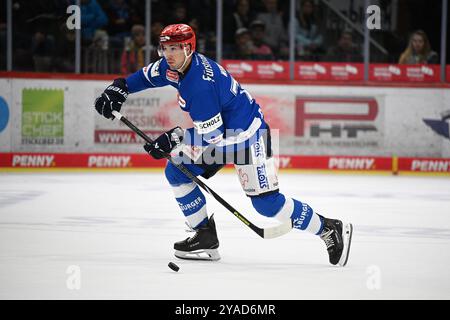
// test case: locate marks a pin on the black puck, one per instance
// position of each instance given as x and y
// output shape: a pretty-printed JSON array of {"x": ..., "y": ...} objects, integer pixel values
[{"x": 173, "y": 266}]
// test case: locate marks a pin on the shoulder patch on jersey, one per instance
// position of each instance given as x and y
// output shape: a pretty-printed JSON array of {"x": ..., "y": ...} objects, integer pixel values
[
  {"x": 209, "y": 125},
  {"x": 172, "y": 76},
  {"x": 154, "y": 71}
]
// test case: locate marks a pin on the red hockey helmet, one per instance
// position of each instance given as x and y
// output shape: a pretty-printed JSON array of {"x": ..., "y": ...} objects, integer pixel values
[{"x": 178, "y": 33}]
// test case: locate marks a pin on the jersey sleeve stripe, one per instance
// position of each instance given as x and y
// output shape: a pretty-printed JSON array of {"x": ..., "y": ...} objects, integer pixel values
[{"x": 242, "y": 136}]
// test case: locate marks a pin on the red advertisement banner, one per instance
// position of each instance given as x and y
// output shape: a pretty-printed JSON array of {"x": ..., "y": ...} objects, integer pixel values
[
  {"x": 328, "y": 71},
  {"x": 333, "y": 71},
  {"x": 336, "y": 163},
  {"x": 424, "y": 165},
  {"x": 257, "y": 69},
  {"x": 329, "y": 163},
  {"x": 80, "y": 160},
  {"x": 404, "y": 73},
  {"x": 64, "y": 160}
]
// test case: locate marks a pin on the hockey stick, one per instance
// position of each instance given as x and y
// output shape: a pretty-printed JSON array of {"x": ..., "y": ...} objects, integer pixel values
[{"x": 266, "y": 233}]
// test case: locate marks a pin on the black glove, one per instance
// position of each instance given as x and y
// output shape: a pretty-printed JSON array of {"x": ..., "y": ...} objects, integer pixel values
[
  {"x": 112, "y": 98},
  {"x": 165, "y": 143}
]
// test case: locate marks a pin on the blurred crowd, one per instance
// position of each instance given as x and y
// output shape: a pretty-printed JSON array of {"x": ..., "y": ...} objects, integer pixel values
[{"x": 113, "y": 34}]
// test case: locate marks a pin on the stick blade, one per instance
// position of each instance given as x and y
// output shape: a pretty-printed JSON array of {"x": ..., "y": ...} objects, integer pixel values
[{"x": 277, "y": 231}]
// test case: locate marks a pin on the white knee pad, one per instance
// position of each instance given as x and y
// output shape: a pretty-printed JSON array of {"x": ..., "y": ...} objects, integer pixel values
[
  {"x": 261, "y": 174},
  {"x": 258, "y": 178}
]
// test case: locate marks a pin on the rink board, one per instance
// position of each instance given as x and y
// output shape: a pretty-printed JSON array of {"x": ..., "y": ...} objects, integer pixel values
[
  {"x": 17, "y": 161},
  {"x": 57, "y": 117}
]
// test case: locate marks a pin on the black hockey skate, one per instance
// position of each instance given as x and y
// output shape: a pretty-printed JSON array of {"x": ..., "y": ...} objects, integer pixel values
[
  {"x": 201, "y": 246},
  {"x": 337, "y": 239}
]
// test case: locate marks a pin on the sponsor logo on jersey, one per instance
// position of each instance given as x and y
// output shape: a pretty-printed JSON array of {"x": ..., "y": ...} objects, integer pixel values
[
  {"x": 191, "y": 205},
  {"x": 172, "y": 76},
  {"x": 209, "y": 125},
  {"x": 262, "y": 176},
  {"x": 298, "y": 222},
  {"x": 258, "y": 150},
  {"x": 208, "y": 73},
  {"x": 33, "y": 161},
  {"x": 243, "y": 178}
]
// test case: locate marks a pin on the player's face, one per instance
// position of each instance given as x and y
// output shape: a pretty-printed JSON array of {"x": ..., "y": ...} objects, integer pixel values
[{"x": 174, "y": 55}]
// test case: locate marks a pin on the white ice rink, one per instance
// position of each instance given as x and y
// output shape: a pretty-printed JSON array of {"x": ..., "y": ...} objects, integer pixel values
[{"x": 118, "y": 230}]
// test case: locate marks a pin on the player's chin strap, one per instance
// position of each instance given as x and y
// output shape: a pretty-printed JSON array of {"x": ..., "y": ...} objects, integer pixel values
[
  {"x": 185, "y": 59},
  {"x": 266, "y": 233}
]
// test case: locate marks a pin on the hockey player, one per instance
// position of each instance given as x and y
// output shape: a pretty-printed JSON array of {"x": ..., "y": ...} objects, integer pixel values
[{"x": 229, "y": 126}]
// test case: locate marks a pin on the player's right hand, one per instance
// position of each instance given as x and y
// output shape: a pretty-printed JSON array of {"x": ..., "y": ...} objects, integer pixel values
[
  {"x": 165, "y": 143},
  {"x": 112, "y": 98}
]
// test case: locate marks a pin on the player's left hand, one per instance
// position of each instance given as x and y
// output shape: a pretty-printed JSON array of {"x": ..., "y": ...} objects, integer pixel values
[{"x": 165, "y": 143}]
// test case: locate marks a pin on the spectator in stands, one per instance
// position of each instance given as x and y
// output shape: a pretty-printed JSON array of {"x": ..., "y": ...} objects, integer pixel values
[
  {"x": 244, "y": 45},
  {"x": 42, "y": 49},
  {"x": 276, "y": 35},
  {"x": 179, "y": 13},
  {"x": 137, "y": 15},
  {"x": 309, "y": 40},
  {"x": 2, "y": 39},
  {"x": 133, "y": 56},
  {"x": 204, "y": 11},
  {"x": 345, "y": 50},
  {"x": 92, "y": 18},
  {"x": 64, "y": 60},
  {"x": 260, "y": 50},
  {"x": 204, "y": 39},
  {"x": 95, "y": 55},
  {"x": 100, "y": 41},
  {"x": 419, "y": 50},
  {"x": 240, "y": 18},
  {"x": 155, "y": 31},
  {"x": 119, "y": 22},
  {"x": 35, "y": 27}
]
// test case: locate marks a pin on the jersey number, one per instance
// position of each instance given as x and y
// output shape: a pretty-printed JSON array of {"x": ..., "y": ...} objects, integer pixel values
[{"x": 236, "y": 89}]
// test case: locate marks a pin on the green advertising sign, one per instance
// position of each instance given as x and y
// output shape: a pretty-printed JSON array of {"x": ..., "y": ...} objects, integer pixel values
[{"x": 42, "y": 116}]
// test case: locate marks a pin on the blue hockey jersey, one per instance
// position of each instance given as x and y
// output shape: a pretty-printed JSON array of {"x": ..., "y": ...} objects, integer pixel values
[{"x": 222, "y": 111}]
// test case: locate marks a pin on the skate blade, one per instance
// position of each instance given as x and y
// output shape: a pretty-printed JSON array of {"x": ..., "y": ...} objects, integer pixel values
[
  {"x": 204, "y": 254},
  {"x": 347, "y": 235}
]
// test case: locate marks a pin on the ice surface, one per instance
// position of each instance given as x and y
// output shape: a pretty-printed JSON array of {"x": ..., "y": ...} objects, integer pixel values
[{"x": 119, "y": 229}]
